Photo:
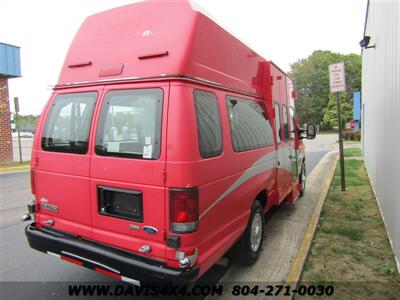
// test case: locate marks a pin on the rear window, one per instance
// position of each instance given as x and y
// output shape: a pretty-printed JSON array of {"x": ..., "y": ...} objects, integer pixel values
[
  {"x": 277, "y": 123},
  {"x": 130, "y": 124},
  {"x": 250, "y": 127},
  {"x": 208, "y": 124},
  {"x": 68, "y": 123},
  {"x": 285, "y": 123},
  {"x": 292, "y": 132}
]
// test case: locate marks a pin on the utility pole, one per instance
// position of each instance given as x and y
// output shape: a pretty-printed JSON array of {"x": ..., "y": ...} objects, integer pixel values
[
  {"x": 337, "y": 83},
  {"x": 16, "y": 106}
]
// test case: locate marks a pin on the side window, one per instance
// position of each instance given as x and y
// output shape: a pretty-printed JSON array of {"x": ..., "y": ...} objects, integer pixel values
[
  {"x": 130, "y": 124},
  {"x": 277, "y": 123},
  {"x": 68, "y": 123},
  {"x": 208, "y": 124},
  {"x": 292, "y": 129},
  {"x": 250, "y": 127},
  {"x": 285, "y": 123}
]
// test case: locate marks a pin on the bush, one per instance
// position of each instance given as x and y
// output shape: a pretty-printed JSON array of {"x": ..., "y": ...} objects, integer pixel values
[
  {"x": 358, "y": 136},
  {"x": 346, "y": 134},
  {"x": 350, "y": 135}
]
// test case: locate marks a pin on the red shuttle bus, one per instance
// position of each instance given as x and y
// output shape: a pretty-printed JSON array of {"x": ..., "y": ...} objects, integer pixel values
[{"x": 162, "y": 146}]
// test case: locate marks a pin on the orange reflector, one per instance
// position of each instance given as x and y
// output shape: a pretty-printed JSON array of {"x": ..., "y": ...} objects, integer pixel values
[
  {"x": 108, "y": 273},
  {"x": 71, "y": 260}
]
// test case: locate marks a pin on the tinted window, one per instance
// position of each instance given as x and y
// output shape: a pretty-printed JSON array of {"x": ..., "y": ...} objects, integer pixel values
[
  {"x": 292, "y": 132},
  {"x": 68, "y": 123},
  {"x": 250, "y": 127},
  {"x": 277, "y": 123},
  {"x": 285, "y": 123},
  {"x": 208, "y": 124},
  {"x": 130, "y": 124}
]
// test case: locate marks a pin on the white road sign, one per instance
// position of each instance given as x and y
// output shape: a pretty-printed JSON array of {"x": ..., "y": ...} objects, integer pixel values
[{"x": 337, "y": 80}]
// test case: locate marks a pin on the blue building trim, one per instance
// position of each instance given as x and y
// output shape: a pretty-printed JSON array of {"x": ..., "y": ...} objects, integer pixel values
[
  {"x": 357, "y": 110},
  {"x": 10, "y": 60}
]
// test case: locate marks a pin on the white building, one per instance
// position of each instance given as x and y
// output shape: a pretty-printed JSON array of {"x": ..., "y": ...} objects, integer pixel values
[{"x": 381, "y": 111}]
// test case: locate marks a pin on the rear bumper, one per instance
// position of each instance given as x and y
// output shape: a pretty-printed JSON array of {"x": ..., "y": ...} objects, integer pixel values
[{"x": 98, "y": 256}]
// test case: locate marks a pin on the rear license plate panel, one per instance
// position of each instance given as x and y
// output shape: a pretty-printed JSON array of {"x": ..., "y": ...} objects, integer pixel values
[{"x": 120, "y": 203}]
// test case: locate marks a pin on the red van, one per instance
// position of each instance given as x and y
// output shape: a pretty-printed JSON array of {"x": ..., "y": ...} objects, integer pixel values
[{"x": 163, "y": 144}]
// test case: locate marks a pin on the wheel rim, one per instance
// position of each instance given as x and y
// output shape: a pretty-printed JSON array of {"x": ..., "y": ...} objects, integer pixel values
[{"x": 256, "y": 232}]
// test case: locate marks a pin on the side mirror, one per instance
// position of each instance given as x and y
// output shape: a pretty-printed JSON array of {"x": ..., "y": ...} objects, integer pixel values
[{"x": 310, "y": 132}]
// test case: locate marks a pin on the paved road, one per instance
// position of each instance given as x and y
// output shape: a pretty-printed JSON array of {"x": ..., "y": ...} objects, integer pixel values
[
  {"x": 19, "y": 263},
  {"x": 316, "y": 149}
]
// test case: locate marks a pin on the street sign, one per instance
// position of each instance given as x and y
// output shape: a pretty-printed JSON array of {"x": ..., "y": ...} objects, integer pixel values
[
  {"x": 337, "y": 80},
  {"x": 337, "y": 83},
  {"x": 16, "y": 120},
  {"x": 16, "y": 105}
]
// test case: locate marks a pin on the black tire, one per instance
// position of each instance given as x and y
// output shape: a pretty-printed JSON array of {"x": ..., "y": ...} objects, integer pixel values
[
  {"x": 302, "y": 179},
  {"x": 243, "y": 252}
]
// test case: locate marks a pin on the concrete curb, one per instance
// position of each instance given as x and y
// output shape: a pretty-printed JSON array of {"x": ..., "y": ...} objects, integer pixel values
[
  {"x": 354, "y": 158},
  {"x": 15, "y": 169},
  {"x": 297, "y": 266}
]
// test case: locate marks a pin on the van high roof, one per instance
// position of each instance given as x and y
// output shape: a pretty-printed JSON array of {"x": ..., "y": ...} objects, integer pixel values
[{"x": 161, "y": 39}]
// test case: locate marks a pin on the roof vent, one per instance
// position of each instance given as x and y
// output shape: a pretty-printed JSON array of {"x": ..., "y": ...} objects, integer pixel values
[{"x": 111, "y": 70}]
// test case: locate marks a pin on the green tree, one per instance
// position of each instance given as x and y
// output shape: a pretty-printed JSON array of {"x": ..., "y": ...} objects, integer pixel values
[
  {"x": 330, "y": 112},
  {"x": 27, "y": 122},
  {"x": 311, "y": 81}
]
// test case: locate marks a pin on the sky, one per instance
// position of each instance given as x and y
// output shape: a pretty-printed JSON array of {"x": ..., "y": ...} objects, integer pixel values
[{"x": 280, "y": 30}]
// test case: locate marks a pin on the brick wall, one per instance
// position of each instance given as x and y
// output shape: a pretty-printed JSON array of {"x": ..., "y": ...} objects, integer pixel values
[{"x": 6, "y": 149}]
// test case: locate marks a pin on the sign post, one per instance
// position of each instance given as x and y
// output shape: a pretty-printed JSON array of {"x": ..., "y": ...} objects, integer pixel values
[
  {"x": 337, "y": 83},
  {"x": 16, "y": 106}
]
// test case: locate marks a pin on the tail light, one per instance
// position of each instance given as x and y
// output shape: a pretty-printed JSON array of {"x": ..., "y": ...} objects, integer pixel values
[
  {"x": 33, "y": 182},
  {"x": 184, "y": 208}
]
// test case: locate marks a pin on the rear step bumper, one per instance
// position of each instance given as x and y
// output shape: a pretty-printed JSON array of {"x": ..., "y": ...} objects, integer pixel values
[{"x": 120, "y": 263}]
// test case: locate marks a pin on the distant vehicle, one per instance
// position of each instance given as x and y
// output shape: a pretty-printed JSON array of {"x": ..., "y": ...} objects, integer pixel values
[
  {"x": 27, "y": 134},
  {"x": 165, "y": 141},
  {"x": 23, "y": 134}
]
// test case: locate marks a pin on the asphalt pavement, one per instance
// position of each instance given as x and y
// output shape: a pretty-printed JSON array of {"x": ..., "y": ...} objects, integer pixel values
[
  {"x": 316, "y": 149},
  {"x": 19, "y": 263}
]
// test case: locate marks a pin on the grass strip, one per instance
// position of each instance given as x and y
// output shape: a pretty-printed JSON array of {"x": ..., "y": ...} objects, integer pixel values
[
  {"x": 350, "y": 249},
  {"x": 351, "y": 152}
]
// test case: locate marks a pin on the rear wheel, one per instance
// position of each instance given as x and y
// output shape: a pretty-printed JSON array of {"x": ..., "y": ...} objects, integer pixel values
[
  {"x": 303, "y": 179},
  {"x": 247, "y": 250}
]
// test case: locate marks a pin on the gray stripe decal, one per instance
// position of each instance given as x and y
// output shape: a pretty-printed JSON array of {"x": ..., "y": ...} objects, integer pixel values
[{"x": 266, "y": 162}]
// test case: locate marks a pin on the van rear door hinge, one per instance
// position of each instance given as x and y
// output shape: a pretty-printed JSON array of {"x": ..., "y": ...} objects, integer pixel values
[{"x": 164, "y": 175}]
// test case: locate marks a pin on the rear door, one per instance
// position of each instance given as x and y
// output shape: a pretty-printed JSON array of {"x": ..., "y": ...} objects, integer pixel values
[
  {"x": 283, "y": 176},
  {"x": 128, "y": 168},
  {"x": 62, "y": 161},
  {"x": 287, "y": 144}
]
